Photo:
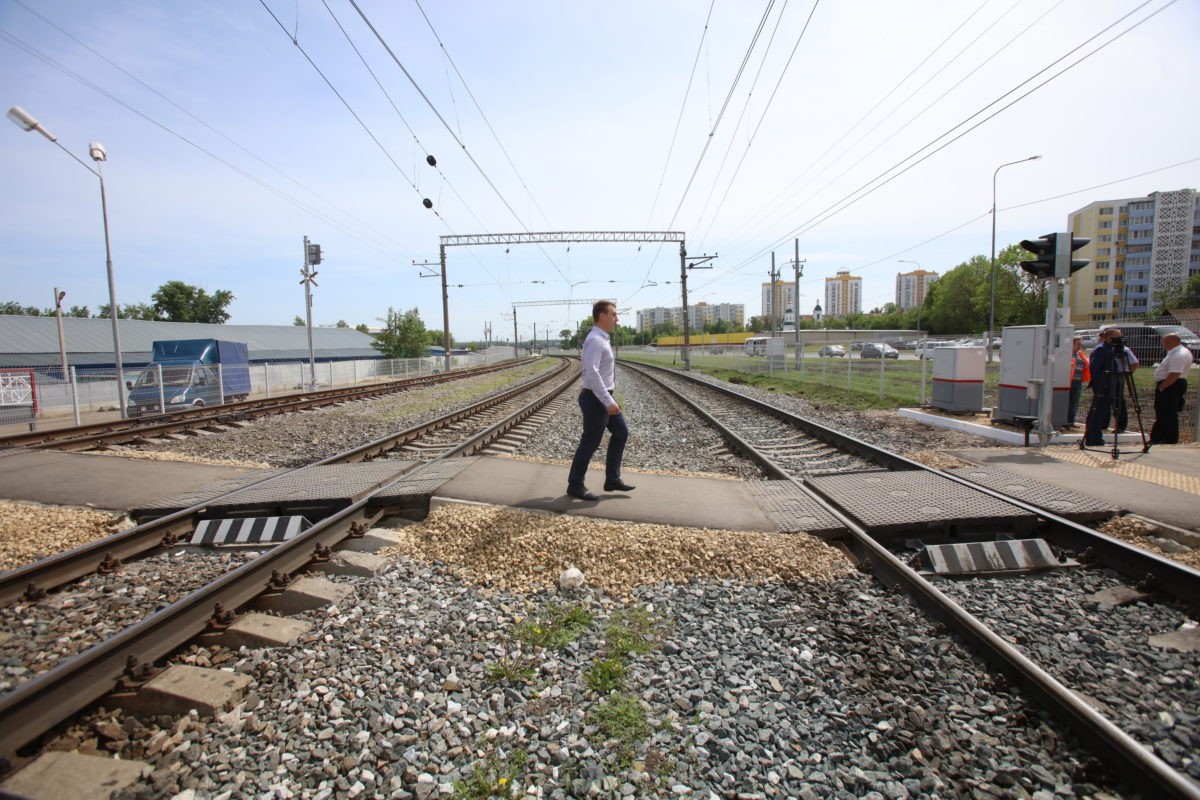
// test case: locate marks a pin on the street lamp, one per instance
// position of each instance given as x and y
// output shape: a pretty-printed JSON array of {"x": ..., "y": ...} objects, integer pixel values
[
  {"x": 992, "y": 293},
  {"x": 27, "y": 122},
  {"x": 920, "y": 298}
]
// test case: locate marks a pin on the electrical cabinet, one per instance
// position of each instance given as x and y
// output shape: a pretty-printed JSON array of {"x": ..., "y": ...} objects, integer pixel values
[
  {"x": 1022, "y": 362},
  {"x": 958, "y": 378}
]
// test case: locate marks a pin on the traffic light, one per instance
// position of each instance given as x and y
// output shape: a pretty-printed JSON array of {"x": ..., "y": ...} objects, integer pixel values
[
  {"x": 314, "y": 254},
  {"x": 1064, "y": 265},
  {"x": 1053, "y": 253},
  {"x": 1044, "y": 248}
]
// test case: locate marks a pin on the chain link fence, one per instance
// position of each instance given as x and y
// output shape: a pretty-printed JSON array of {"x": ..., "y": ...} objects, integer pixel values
[
  {"x": 37, "y": 398},
  {"x": 888, "y": 369}
]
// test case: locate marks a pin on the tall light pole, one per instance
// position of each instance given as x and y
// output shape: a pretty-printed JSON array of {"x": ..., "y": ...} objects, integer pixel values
[
  {"x": 992, "y": 293},
  {"x": 920, "y": 299},
  {"x": 27, "y": 122}
]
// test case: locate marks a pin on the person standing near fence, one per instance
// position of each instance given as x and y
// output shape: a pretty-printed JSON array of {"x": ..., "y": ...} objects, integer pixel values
[
  {"x": 1081, "y": 375},
  {"x": 1170, "y": 387},
  {"x": 599, "y": 407}
]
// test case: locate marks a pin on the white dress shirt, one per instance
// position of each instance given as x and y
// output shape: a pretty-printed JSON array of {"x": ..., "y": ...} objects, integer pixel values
[
  {"x": 599, "y": 366},
  {"x": 1178, "y": 359}
]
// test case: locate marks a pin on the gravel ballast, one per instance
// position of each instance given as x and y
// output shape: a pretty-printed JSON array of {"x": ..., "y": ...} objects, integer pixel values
[{"x": 423, "y": 683}]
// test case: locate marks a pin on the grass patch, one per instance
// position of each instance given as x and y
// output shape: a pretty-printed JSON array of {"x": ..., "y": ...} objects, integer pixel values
[
  {"x": 555, "y": 627},
  {"x": 518, "y": 669},
  {"x": 606, "y": 676},
  {"x": 622, "y": 718},
  {"x": 492, "y": 778},
  {"x": 633, "y": 630}
]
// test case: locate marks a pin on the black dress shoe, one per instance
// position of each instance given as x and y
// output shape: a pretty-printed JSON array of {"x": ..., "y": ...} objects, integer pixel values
[
  {"x": 618, "y": 486},
  {"x": 581, "y": 493}
]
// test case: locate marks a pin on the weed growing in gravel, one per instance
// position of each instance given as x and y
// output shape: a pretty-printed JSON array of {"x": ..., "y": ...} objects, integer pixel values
[
  {"x": 622, "y": 718},
  {"x": 518, "y": 669},
  {"x": 554, "y": 628},
  {"x": 606, "y": 675},
  {"x": 492, "y": 778},
  {"x": 633, "y": 630}
]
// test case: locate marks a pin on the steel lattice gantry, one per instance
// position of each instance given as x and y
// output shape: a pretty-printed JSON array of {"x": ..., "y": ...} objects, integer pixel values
[{"x": 561, "y": 236}]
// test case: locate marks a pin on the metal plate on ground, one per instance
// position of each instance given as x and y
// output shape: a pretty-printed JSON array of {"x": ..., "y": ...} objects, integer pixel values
[
  {"x": 892, "y": 503},
  {"x": 793, "y": 511},
  {"x": 978, "y": 558},
  {"x": 330, "y": 485},
  {"x": 248, "y": 531},
  {"x": 428, "y": 478},
  {"x": 1063, "y": 502}
]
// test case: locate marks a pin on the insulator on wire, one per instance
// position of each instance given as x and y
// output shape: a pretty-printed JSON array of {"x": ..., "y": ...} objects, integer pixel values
[
  {"x": 431, "y": 161},
  {"x": 427, "y": 203}
]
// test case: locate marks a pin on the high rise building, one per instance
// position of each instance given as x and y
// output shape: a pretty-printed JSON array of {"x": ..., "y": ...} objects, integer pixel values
[
  {"x": 843, "y": 295},
  {"x": 777, "y": 298},
  {"x": 913, "y": 287},
  {"x": 1140, "y": 248},
  {"x": 699, "y": 315}
]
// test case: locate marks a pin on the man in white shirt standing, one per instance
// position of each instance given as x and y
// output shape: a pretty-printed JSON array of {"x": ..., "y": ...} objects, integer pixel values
[
  {"x": 1170, "y": 386},
  {"x": 600, "y": 409}
]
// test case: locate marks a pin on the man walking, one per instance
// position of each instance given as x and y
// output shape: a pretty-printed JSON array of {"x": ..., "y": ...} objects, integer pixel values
[
  {"x": 600, "y": 409},
  {"x": 1170, "y": 386}
]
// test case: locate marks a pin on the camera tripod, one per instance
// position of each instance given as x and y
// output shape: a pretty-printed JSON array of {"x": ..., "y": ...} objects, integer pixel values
[{"x": 1120, "y": 387}]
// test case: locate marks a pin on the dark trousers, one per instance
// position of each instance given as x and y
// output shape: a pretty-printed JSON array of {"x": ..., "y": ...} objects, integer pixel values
[
  {"x": 1166, "y": 413},
  {"x": 595, "y": 419},
  {"x": 1073, "y": 401}
]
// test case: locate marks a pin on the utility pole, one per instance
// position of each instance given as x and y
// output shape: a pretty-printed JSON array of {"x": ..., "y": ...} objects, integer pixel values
[
  {"x": 798, "y": 266},
  {"x": 773, "y": 276},
  {"x": 441, "y": 264},
  {"x": 684, "y": 266},
  {"x": 516, "y": 343},
  {"x": 312, "y": 256}
]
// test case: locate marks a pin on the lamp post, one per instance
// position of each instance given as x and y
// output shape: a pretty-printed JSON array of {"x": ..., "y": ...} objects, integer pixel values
[
  {"x": 992, "y": 293},
  {"x": 27, "y": 122},
  {"x": 920, "y": 298}
]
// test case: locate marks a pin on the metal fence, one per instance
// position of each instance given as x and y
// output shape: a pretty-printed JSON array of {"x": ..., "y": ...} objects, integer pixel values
[
  {"x": 903, "y": 376},
  {"x": 34, "y": 398}
]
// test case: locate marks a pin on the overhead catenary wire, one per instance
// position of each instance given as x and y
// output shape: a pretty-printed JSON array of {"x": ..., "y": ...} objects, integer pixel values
[{"x": 899, "y": 167}]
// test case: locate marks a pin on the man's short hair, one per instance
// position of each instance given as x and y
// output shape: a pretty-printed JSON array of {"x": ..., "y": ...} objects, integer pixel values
[
  {"x": 600, "y": 306},
  {"x": 1174, "y": 336}
]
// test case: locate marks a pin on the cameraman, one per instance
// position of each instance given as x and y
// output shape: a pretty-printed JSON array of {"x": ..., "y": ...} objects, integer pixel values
[
  {"x": 1124, "y": 360},
  {"x": 1105, "y": 385},
  {"x": 1169, "y": 390}
]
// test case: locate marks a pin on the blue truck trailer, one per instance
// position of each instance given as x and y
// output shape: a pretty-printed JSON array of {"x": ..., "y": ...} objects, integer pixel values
[{"x": 190, "y": 373}]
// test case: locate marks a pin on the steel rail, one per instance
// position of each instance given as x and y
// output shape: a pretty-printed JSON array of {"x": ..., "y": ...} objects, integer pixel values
[
  {"x": 32, "y": 579},
  {"x": 82, "y": 437},
  {"x": 1132, "y": 761},
  {"x": 1174, "y": 578},
  {"x": 39, "y": 704}
]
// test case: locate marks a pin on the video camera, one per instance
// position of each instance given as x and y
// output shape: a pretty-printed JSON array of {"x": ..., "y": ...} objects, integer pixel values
[{"x": 1117, "y": 343}]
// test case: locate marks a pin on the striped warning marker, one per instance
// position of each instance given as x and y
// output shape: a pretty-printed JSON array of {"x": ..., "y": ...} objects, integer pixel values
[{"x": 248, "y": 531}]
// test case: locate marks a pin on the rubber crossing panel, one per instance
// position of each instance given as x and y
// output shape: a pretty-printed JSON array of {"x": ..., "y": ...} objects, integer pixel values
[
  {"x": 1063, "y": 502},
  {"x": 915, "y": 502}
]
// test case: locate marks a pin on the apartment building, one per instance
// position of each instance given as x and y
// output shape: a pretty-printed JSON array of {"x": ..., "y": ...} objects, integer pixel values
[
  {"x": 1141, "y": 247},
  {"x": 777, "y": 298},
  {"x": 843, "y": 295},
  {"x": 699, "y": 315},
  {"x": 913, "y": 287}
]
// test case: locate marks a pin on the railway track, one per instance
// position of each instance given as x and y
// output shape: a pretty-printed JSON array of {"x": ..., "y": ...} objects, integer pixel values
[
  {"x": 101, "y": 434},
  {"x": 748, "y": 424},
  {"x": 36, "y": 705},
  {"x": 792, "y": 457}
]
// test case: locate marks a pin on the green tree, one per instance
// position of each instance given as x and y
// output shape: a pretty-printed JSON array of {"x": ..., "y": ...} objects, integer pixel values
[
  {"x": 131, "y": 311},
  {"x": 757, "y": 324},
  {"x": 360, "y": 327},
  {"x": 176, "y": 301},
  {"x": 299, "y": 321},
  {"x": 341, "y": 323},
  {"x": 403, "y": 335},
  {"x": 16, "y": 309},
  {"x": 1186, "y": 295},
  {"x": 435, "y": 337},
  {"x": 960, "y": 300}
]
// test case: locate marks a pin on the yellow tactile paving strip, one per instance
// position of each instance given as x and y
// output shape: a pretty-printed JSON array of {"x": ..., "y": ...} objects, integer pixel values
[{"x": 1128, "y": 469}]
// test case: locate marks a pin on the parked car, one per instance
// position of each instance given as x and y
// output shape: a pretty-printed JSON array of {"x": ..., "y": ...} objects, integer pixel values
[
  {"x": 925, "y": 349},
  {"x": 831, "y": 351},
  {"x": 856, "y": 346},
  {"x": 1146, "y": 341},
  {"x": 879, "y": 350},
  {"x": 1090, "y": 337}
]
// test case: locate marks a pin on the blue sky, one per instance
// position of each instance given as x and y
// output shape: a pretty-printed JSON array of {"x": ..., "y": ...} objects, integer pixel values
[{"x": 226, "y": 146}]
